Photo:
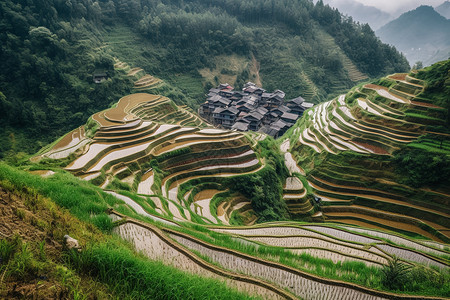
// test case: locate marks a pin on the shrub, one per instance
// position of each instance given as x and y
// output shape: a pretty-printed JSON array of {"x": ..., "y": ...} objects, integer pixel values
[{"x": 395, "y": 274}]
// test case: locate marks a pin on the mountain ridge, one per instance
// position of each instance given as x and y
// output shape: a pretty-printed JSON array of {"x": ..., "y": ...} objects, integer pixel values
[
  {"x": 421, "y": 34},
  {"x": 375, "y": 17},
  {"x": 444, "y": 9}
]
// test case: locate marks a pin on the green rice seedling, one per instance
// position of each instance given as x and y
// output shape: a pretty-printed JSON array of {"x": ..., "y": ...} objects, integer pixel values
[
  {"x": 7, "y": 249},
  {"x": 23, "y": 262},
  {"x": 133, "y": 276},
  {"x": 42, "y": 254}
]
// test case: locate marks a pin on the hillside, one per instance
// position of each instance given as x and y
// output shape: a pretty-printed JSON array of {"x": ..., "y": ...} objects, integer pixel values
[
  {"x": 51, "y": 51},
  {"x": 200, "y": 199},
  {"x": 444, "y": 9},
  {"x": 421, "y": 35},
  {"x": 378, "y": 156}
]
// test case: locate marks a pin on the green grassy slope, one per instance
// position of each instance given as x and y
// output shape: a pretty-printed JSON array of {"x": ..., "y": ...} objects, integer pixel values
[{"x": 33, "y": 253}]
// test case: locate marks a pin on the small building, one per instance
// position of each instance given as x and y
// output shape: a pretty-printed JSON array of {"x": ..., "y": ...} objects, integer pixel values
[
  {"x": 255, "y": 119},
  {"x": 274, "y": 101},
  {"x": 289, "y": 118},
  {"x": 225, "y": 116},
  {"x": 271, "y": 130},
  {"x": 240, "y": 126},
  {"x": 226, "y": 93},
  {"x": 252, "y": 88},
  {"x": 99, "y": 76},
  {"x": 271, "y": 117},
  {"x": 307, "y": 105},
  {"x": 225, "y": 86},
  {"x": 295, "y": 105},
  {"x": 245, "y": 108},
  {"x": 280, "y": 110},
  {"x": 283, "y": 126}
]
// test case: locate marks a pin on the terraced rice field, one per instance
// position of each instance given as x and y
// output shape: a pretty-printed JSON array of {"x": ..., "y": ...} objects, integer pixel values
[
  {"x": 145, "y": 186},
  {"x": 146, "y": 82},
  {"x": 201, "y": 205},
  {"x": 353, "y": 73},
  {"x": 70, "y": 143},
  {"x": 343, "y": 243},
  {"x": 387, "y": 220},
  {"x": 156, "y": 246},
  {"x": 234, "y": 205},
  {"x": 298, "y": 283},
  {"x": 135, "y": 71},
  {"x": 130, "y": 137},
  {"x": 140, "y": 210},
  {"x": 294, "y": 194},
  {"x": 175, "y": 163},
  {"x": 373, "y": 122},
  {"x": 325, "y": 248},
  {"x": 384, "y": 92}
]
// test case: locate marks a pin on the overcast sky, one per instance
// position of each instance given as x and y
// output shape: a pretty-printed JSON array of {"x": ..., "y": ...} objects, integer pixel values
[{"x": 399, "y": 6}]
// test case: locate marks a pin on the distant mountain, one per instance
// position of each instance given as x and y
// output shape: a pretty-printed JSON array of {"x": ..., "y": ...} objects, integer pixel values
[
  {"x": 361, "y": 13},
  {"x": 421, "y": 34},
  {"x": 444, "y": 9}
]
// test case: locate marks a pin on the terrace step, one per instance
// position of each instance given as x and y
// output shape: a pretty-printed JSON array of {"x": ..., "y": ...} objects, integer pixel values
[
  {"x": 157, "y": 246},
  {"x": 368, "y": 193},
  {"x": 377, "y": 219}
]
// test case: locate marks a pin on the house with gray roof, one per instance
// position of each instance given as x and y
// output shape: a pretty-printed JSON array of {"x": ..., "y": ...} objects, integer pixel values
[
  {"x": 252, "y": 109},
  {"x": 225, "y": 117}
]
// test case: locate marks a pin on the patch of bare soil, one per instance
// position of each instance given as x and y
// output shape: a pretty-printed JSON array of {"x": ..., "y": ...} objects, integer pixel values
[
  {"x": 17, "y": 220},
  {"x": 29, "y": 220},
  {"x": 398, "y": 76}
]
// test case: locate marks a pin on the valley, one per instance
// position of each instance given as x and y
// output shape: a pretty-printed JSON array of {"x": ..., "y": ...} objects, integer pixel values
[
  {"x": 199, "y": 198},
  {"x": 317, "y": 168}
]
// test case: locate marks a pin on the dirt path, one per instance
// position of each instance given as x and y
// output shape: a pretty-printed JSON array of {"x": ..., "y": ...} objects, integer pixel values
[{"x": 255, "y": 66}]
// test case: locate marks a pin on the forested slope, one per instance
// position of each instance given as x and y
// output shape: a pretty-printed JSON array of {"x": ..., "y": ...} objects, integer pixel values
[{"x": 50, "y": 49}]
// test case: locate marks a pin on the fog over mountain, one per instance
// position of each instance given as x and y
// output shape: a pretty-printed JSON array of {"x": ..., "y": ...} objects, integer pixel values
[
  {"x": 361, "y": 13},
  {"x": 398, "y": 7},
  {"x": 444, "y": 9},
  {"x": 421, "y": 34}
]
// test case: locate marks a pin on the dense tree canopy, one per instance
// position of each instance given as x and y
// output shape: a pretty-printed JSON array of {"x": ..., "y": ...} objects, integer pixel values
[{"x": 50, "y": 48}]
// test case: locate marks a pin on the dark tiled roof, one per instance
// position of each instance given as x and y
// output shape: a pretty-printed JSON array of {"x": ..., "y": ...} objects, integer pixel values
[
  {"x": 307, "y": 105},
  {"x": 225, "y": 101},
  {"x": 220, "y": 110},
  {"x": 289, "y": 116},
  {"x": 255, "y": 115},
  {"x": 214, "y": 98},
  {"x": 281, "y": 109},
  {"x": 270, "y": 130},
  {"x": 297, "y": 101},
  {"x": 225, "y": 86},
  {"x": 280, "y": 124},
  {"x": 241, "y": 126},
  {"x": 262, "y": 110}
]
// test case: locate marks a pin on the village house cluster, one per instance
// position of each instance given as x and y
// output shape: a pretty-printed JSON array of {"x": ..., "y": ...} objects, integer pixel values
[{"x": 252, "y": 109}]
